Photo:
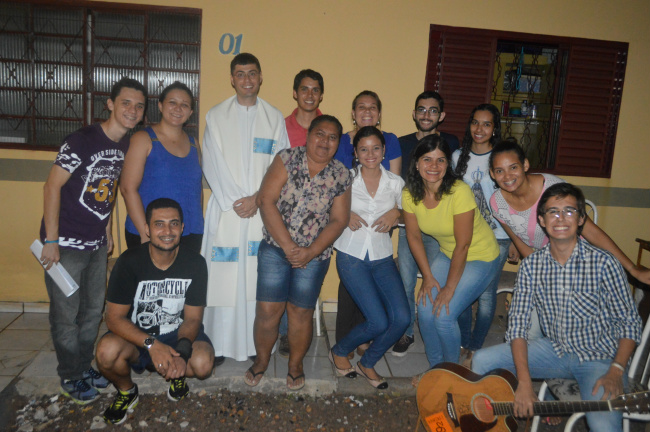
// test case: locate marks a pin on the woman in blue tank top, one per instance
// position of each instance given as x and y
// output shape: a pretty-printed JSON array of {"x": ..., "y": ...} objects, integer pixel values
[{"x": 163, "y": 162}]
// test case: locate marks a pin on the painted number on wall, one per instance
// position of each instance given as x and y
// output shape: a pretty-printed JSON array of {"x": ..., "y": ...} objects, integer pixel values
[{"x": 229, "y": 44}]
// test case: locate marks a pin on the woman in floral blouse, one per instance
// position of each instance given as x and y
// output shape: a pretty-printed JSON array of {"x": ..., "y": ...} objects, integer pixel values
[{"x": 304, "y": 200}]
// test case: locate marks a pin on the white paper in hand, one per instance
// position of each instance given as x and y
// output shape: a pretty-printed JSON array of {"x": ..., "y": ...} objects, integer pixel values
[{"x": 57, "y": 272}]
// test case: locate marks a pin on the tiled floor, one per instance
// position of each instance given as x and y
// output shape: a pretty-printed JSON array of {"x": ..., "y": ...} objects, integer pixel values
[{"x": 26, "y": 351}]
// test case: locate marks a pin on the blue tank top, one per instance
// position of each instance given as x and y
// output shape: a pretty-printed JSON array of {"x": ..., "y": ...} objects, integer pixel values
[{"x": 178, "y": 178}]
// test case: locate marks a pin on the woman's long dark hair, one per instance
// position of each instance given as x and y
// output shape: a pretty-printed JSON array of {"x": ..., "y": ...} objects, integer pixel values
[
  {"x": 463, "y": 160},
  {"x": 414, "y": 182}
]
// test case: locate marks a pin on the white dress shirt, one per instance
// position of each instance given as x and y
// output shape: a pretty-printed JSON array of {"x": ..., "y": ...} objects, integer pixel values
[{"x": 366, "y": 239}]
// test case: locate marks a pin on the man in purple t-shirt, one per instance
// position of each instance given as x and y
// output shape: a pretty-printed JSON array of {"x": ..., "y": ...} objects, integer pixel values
[{"x": 79, "y": 195}]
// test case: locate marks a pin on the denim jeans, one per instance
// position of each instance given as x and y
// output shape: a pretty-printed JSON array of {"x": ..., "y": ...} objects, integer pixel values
[
  {"x": 441, "y": 334},
  {"x": 487, "y": 304},
  {"x": 74, "y": 320},
  {"x": 544, "y": 363},
  {"x": 277, "y": 281},
  {"x": 377, "y": 289},
  {"x": 408, "y": 268}
]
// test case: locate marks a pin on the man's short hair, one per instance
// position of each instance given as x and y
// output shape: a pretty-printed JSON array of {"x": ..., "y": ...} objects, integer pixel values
[
  {"x": 326, "y": 118},
  {"x": 128, "y": 83},
  {"x": 430, "y": 95},
  {"x": 162, "y": 203},
  {"x": 562, "y": 190},
  {"x": 308, "y": 73},
  {"x": 244, "y": 59}
]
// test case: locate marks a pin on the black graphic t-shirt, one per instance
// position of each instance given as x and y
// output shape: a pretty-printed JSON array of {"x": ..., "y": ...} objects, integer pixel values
[
  {"x": 94, "y": 162},
  {"x": 157, "y": 297}
]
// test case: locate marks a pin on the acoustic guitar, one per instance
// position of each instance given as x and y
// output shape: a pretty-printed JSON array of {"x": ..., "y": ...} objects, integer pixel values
[{"x": 450, "y": 398}]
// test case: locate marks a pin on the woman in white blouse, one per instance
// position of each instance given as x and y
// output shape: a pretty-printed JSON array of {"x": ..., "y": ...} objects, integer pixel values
[{"x": 365, "y": 260}]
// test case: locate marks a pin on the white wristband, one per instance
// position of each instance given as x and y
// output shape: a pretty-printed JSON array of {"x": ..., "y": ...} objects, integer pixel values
[{"x": 618, "y": 366}]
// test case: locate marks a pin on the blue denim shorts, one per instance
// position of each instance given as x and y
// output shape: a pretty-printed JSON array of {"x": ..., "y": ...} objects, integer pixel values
[
  {"x": 168, "y": 339},
  {"x": 277, "y": 281}
]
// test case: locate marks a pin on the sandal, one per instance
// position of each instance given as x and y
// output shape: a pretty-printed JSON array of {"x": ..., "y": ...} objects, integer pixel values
[
  {"x": 294, "y": 379},
  {"x": 379, "y": 384},
  {"x": 349, "y": 372},
  {"x": 253, "y": 382}
]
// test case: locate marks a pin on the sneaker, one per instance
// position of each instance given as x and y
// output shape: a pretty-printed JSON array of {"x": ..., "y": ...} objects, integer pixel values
[
  {"x": 95, "y": 379},
  {"x": 178, "y": 389},
  {"x": 403, "y": 345},
  {"x": 79, "y": 391},
  {"x": 284, "y": 346},
  {"x": 124, "y": 401}
]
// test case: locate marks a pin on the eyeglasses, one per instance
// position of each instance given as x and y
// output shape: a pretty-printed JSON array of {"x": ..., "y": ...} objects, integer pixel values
[
  {"x": 568, "y": 212},
  {"x": 422, "y": 111}
]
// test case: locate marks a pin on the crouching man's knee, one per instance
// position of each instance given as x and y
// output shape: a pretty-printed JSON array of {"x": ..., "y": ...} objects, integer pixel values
[{"x": 202, "y": 360}]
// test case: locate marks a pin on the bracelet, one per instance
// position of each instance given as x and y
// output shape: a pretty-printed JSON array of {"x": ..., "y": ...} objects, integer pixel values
[
  {"x": 184, "y": 348},
  {"x": 618, "y": 366},
  {"x": 51, "y": 241}
]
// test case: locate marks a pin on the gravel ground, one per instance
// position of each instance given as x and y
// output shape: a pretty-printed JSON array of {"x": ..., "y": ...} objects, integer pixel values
[{"x": 224, "y": 411}]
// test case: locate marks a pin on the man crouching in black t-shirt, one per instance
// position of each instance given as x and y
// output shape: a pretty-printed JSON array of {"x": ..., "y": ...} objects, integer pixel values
[{"x": 155, "y": 301}]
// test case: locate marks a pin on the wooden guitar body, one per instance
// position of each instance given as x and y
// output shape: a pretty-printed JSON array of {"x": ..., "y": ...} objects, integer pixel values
[{"x": 453, "y": 398}]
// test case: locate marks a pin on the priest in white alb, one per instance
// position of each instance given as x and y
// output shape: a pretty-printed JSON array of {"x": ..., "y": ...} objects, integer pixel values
[{"x": 242, "y": 136}]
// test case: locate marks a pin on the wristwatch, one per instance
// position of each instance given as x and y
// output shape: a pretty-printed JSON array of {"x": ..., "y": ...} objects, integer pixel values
[{"x": 148, "y": 342}]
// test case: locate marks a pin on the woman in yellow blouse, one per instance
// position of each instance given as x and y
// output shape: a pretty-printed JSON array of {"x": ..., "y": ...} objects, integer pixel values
[{"x": 437, "y": 203}]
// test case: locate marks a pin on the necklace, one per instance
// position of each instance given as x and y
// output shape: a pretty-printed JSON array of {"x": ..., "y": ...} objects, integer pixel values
[{"x": 158, "y": 266}]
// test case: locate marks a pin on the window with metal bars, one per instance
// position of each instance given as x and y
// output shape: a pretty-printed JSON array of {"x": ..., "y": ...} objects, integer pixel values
[
  {"x": 59, "y": 62},
  {"x": 574, "y": 84}
]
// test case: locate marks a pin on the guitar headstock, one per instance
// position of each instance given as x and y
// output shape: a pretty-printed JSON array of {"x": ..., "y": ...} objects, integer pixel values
[{"x": 632, "y": 403}]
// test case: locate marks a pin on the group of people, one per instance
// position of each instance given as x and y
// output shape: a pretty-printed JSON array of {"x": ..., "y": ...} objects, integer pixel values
[{"x": 285, "y": 192}]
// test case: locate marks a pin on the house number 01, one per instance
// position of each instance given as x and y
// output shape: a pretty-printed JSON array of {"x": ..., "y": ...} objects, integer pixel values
[{"x": 229, "y": 44}]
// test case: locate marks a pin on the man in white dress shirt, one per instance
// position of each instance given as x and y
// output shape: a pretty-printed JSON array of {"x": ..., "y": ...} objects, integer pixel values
[{"x": 242, "y": 136}]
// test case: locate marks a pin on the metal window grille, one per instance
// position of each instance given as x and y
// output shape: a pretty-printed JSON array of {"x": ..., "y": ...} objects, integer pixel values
[{"x": 59, "y": 64}]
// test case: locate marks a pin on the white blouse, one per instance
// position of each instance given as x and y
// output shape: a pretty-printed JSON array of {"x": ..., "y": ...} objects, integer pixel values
[{"x": 366, "y": 239}]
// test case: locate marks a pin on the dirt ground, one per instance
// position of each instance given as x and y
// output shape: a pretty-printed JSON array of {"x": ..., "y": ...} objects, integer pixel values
[{"x": 223, "y": 411}]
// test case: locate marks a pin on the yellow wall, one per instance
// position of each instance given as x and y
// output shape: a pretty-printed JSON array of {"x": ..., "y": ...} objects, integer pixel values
[{"x": 379, "y": 45}]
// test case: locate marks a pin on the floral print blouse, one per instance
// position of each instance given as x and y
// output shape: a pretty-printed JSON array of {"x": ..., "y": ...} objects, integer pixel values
[{"x": 305, "y": 202}]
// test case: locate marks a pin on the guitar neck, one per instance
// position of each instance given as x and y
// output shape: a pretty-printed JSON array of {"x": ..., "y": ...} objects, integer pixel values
[{"x": 555, "y": 407}]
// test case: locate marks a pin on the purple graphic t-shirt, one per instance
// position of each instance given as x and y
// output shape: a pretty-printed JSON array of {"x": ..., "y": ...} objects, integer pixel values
[{"x": 95, "y": 164}]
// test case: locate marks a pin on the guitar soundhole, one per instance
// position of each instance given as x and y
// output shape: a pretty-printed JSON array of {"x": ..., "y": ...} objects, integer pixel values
[{"x": 482, "y": 407}]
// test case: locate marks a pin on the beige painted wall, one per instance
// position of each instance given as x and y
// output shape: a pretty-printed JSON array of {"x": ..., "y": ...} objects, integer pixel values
[{"x": 379, "y": 45}]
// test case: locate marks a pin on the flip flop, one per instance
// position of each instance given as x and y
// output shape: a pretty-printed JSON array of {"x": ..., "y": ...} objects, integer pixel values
[
  {"x": 294, "y": 379},
  {"x": 253, "y": 382}
]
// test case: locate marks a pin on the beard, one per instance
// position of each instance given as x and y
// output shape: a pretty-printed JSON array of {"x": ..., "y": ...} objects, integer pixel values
[
  {"x": 166, "y": 248},
  {"x": 428, "y": 129}
]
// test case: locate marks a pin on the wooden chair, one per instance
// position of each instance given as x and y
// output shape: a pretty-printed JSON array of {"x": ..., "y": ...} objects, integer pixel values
[{"x": 643, "y": 245}]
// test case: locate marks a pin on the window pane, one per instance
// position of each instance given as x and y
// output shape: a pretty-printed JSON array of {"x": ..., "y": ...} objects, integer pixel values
[
  {"x": 58, "y": 77},
  {"x": 174, "y": 56},
  {"x": 68, "y": 21},
  {"x": 58, "y": 49},
  {"x": 123, "y": 26},
  {"x": 175, "y": 28},
  {"x": 119, "y": 53}
]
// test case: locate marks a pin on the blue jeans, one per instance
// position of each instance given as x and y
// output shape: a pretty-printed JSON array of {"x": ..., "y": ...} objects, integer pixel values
[
  {"x": 487, "y": 304},
  {"x": 277, "y": 281},
  {"x": 441, "y": 334},
  {"x": 408, "y": 268},
  {"x": 377, "y": 289},
  {"x": 74, "y": 320},
  {"x": 544, "y": 363}
]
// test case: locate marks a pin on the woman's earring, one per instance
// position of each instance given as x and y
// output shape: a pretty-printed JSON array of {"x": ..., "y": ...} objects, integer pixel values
[{"x": 354, "y": 123}]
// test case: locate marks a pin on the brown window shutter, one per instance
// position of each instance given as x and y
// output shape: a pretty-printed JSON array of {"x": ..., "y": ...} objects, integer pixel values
[
  {"x": 459, "y": 67},
  {"x": 590, "y": 109}
]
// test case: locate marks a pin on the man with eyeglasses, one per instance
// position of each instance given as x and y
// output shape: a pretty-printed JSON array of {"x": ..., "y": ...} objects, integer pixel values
[
  {"x": 242, "y": 136},
  {"x": 586, "y": 312},
  {"x": 427, "y": 115}
]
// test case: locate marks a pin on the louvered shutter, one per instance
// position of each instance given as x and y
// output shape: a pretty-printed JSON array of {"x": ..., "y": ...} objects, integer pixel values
[
  {"x": 590, "y": 108},
  {"x": 460, "y": 68}
]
